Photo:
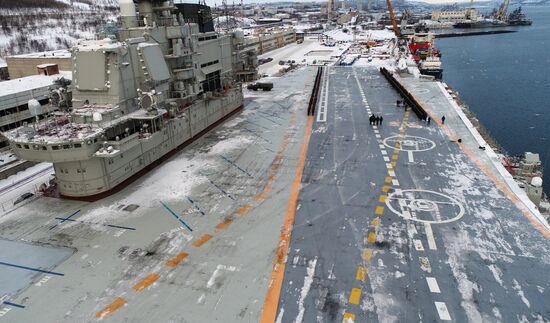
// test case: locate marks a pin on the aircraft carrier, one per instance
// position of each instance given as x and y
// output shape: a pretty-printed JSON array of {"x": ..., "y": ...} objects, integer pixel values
[{"x": 297, "y": 209}]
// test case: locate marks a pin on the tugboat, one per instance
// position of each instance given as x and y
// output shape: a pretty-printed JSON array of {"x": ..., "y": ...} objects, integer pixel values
[
  {"x": 426, "y": 56},
  {"x": 431, "y": 66},
  {"x": 518, "y": 18}
]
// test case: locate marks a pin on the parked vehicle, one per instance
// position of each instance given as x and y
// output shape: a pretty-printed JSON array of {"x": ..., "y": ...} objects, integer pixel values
[
  {"x": 23, "y": 197},
  {"x": 265, "y": 86}
]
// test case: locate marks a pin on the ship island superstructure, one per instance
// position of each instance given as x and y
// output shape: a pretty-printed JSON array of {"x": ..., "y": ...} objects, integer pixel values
[{"x": 162, "y": 82}]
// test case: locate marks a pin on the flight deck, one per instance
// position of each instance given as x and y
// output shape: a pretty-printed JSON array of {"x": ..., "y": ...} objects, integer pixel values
[{"x": 280, "y": 216}]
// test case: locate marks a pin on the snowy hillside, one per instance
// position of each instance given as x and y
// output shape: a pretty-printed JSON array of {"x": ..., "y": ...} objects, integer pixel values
[{"x": 39, "y": 25}]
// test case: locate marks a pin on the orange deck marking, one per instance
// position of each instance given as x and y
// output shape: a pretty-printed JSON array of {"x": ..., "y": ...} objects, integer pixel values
[
  {"x": 146, "y": 282},
  {"x": 264, "y": 193},
  {"x": 177, "y": 259},
  {"x": 244, "y": 209},
  {"x": 367, "y": 254},
  {"x": 111, "y": 308},
  {"x": 385, "y": 188},
  {"x": 348, "y": 318},
  {"x": 202, "y": 240},
  {"x": 388, "y": 179},
  {"x": 372, "y": 237},
  {"x": 269, "y": 310},
  {"x": 224, "y": 224},
  {"x": 361, "y": 274}
]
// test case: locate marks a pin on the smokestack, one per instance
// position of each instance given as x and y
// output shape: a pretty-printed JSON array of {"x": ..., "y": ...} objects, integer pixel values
[{"x": 128, "y": 13}]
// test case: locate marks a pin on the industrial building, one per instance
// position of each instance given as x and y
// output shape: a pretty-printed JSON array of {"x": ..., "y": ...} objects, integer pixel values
[
  {"x": 455, "y": 15},
  {"x": 25, "y": 64}
]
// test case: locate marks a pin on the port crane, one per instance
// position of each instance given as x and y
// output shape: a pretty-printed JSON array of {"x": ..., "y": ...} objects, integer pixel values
[
  {"x": 503, "y": 10},
  {"x": 393, "y": 21}
]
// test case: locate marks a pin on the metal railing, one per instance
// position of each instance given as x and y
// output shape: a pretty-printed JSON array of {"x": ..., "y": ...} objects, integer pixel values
[{"x": 409, "y": 99}]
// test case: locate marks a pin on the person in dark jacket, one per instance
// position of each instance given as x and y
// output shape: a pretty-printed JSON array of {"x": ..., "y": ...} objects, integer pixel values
[{"x": 443, "y": 120}]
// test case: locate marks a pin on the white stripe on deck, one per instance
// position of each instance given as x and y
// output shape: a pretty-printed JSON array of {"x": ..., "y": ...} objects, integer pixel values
[
  {"x": 433, "y": 285},
  {"x": 322, "y": 113},
  {"x": 395, "y": 182},
  {"x": 411, "y": 156},
  {"x": 430, "y": 236},
  {"x": 418, "y": 245},
  {"x": 442, "y": 311}
]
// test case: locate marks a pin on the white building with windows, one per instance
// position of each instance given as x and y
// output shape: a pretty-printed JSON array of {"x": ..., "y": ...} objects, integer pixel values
[{"x": 456, "y": 15}]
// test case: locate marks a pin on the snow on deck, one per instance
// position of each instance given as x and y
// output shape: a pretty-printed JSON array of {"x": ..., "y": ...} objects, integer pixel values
[
  {"x": 62, "y": 53},
  {"x": 310, "y": 51},
  {"x": 340, "y": 35},
  {"x": 29, "y": 83}
]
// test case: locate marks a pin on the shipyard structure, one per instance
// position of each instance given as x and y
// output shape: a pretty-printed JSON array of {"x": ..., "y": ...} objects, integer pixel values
[{"x": 164, "y": 80}]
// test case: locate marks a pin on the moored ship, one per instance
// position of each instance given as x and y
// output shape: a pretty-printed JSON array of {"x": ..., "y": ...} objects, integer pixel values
[
  {"x": 426, "y": 56},
  {"x": 481, "y": 23},
  {"x": 518, "y": 18},
  {"x": 137, "y": 98}
]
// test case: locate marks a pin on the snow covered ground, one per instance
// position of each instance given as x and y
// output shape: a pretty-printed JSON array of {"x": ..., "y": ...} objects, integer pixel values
[
  {"x": 340, "y": 35},
  {"x": 26, "y": 181},
  {"x": 311, "y": 51},
  {"x": 37, "y": 29}
]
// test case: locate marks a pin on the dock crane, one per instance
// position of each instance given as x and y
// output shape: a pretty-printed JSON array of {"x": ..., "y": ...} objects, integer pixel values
[
  {"x": 503, "y": 10},
  {"x": 392, "y": 18}
]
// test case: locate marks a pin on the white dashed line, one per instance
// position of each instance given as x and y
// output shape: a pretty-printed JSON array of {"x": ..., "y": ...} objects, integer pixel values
[
  {"x": 442, "y": 311},
  {"x": 388, "y": 166},
  {"x": 384, "y": 152},
  {"x": 430, "y": 236},
  {"x": 433, "y": 285},
  {"x": 391, "y": 173},
  {"x": 395, "y": 182},
  {"x": 418, "y": 245},
  {"x": 322, "y": 114},
  {"x": 381, "y": 146},
  {"x": 386, "y": 159},
  {"x": 411, "y": 156}
]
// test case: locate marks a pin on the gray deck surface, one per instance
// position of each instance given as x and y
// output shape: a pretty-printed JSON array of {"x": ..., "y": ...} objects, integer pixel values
[
  {"x": 224, "y": 279},
  {"x": 488, "y": 264},
  {"x": 21, "y": 262}
]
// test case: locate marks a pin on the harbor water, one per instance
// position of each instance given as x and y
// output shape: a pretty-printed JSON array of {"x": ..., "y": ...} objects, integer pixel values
[{"x": 505, "y": 80}]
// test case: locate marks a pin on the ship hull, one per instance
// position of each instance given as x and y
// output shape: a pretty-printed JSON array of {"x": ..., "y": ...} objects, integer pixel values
[
  {"x": 437, "y": 73},
  {"x": 151, "y": 166},
  {"x": 468, "y": 25}
]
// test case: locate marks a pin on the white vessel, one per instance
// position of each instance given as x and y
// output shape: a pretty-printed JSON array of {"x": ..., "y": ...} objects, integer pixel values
[{"x": 162, "y": 82}]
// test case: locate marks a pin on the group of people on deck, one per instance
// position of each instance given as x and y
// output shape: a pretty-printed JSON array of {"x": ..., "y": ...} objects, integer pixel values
[{"x": 376, "y": 120}]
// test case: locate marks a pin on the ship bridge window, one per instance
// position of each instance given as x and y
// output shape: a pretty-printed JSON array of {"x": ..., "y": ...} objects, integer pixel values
[
  {"x": 77, "y": 145},
  {"x": 212, "y": 82},
  {"x": 26, "y": 146},
  {"x": 18, "y": 146},
  {"x": 210, "y": 63},
  {"x": 44, "y": 147},
  {"x": 66, "y": 146},
  {"x": 55, "y": 147},
  {"x": 208, "y": 37}
]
